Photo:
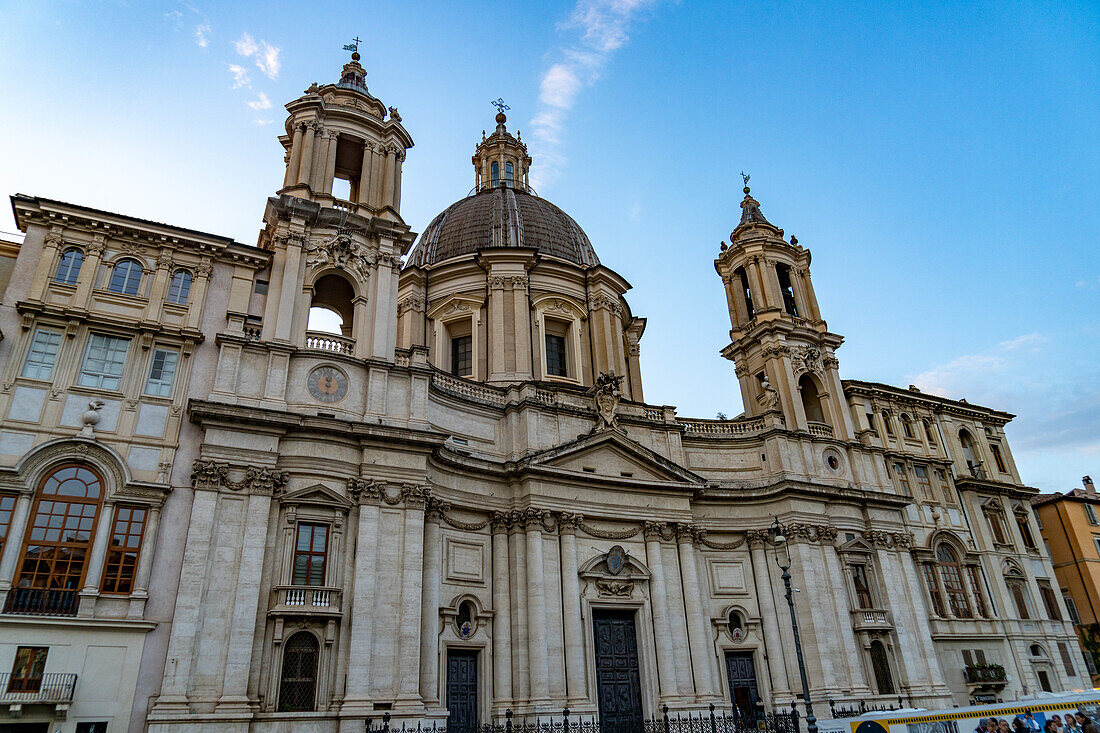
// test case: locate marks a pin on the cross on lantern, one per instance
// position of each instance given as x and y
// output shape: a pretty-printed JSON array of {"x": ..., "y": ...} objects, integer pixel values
[
  {"x": 354, "y": 46},
  {"x": 500, "y": 105}
]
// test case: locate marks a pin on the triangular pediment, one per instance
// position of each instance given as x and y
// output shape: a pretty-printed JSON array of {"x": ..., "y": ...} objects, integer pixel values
[
  {"x": 611, "y": 454},
  {"x": 857, "y": 545},
  {"x": 317, "y": 495}
]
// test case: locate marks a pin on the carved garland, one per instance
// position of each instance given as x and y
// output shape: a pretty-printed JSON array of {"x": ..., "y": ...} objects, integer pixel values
[
  {"x": 889, "y": 540},
  {"x": 257, "y": 479}
]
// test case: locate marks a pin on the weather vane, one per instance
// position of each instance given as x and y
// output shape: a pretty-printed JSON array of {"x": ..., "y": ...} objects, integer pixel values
[
  {"x": 500, "y": 105},
  {"x": 746, "y": 177},
  {"x": 353, "y": 46}
]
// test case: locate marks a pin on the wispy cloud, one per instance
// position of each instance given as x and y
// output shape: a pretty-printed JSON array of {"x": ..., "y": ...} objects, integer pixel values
[
  {"x": 240, "y": 77},
  {"x": 175, "y": 17},
  {"x": 266, "y": 56},
  {"x": 202, "y": 35},
  {"x": 261, "y": 102},
  {"x": 599, "y": 28},
  {"x": 262, "y": 123}
]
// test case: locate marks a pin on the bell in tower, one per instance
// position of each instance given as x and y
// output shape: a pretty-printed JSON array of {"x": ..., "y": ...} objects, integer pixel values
[{"x": 783, "y": 351}]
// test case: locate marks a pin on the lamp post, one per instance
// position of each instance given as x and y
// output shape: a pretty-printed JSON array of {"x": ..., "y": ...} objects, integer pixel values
[{"x": 783, "y": 560}]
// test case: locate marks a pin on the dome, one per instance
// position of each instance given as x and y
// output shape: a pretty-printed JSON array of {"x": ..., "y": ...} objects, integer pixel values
[{"x": 502, "y": 216}]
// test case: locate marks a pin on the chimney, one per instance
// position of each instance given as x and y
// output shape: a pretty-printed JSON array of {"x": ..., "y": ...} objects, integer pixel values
[{"x": 1090, "y": 487}]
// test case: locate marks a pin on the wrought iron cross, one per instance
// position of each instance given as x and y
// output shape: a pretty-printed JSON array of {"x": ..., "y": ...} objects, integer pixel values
[
  {"x": 500, "y": 105},
  {"x": 353, "y": 46}
]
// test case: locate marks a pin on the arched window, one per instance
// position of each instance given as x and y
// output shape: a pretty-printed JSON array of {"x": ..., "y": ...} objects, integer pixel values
[
  {"x": 907, "y": 426},
  {"x": 1017, "y": 588},
  {"x": 68, "y": 268},
  {"x": 332, "y": 309},
  {"x": 928, "y": 432},
  {"x": 466, "y": 620},
  {"x": 952, "y": 582},
  {"x": 811, "y": 400},
  {"x": 494, "y": 173},
  {"x": 887, "y": 422},
  {"x": 125, "y": 277},
  {"x": 881, "y": 666},
  {"x": 785, "y": 287},
  {"x": 179, "y": 289},
  {"x": 55, "y": 552},
  {"x": 970, "y": 454},
  {"x": 298, "y": 686},
  {"x": 743, "y": 281},
  {"x": 509, "y": 172}
]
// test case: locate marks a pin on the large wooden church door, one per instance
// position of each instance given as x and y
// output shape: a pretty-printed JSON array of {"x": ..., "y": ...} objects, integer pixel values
[
  {"x": 618, "y": 689},
  {"x": 461, "y": 691},
  {"x": 741, "y": 674}
]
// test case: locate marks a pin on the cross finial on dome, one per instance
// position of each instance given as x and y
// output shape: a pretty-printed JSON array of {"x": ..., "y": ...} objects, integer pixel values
[{"x": 354, "y": 48}]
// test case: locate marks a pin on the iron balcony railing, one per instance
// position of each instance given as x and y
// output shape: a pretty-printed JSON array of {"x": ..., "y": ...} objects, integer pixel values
[
  {"x": 714, "y": 722},
  {"x": 42, "y": 601},
  {"x": 54, "y": 688},
  {"x": 985, "y": 673}
]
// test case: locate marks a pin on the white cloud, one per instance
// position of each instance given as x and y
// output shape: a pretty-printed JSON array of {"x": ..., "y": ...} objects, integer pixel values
[
  {"x": 1028, "y": 340},
  {"x": 266, "y": 56},
  {"x": 268, "y": 60},
  {"x": 201, "y": 33},
  {"x": 245, "y": 46},
  {"x": 175, "y": 17},
  {"x": 261, "y": 102},
  {"x": 604, "y": 27},
  {"x": 240, "y": 77},
  {"x": 262, "y": 123},
  {"x": 952, "y": 378}
]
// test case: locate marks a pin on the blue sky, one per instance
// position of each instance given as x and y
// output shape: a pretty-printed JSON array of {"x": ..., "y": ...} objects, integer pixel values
[{"x": 941, "y": 160}]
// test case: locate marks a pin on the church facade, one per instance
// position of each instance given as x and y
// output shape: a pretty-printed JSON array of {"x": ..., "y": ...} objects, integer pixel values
[{"x": 457, "y": 502}]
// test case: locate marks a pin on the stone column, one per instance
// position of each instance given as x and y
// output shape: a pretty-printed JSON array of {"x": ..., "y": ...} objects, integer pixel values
[
  {"x": 148, "y": 547},
  {"x": 496, "y": 327},
  {"x": 306, "y": 161},
  {"x": 769, "y": 607},
  {"x": 522, "y": 313},
  {"x": 398, "y": 159},
  {"x": 666, "y": 661},
  {"x": 291, "y": 176},
  {"x": 160, "y": 284},
  {"x": 412, "y": 577},
  {"x": 96, "y": 558},
  {"x": 702, "y": 660},
  {"x": 361, "y": 643},
  {"x": 387, "y": 180},
  {"x": 378, "y": 159},
  {"x": 288, "y": 293},
  {"x": 333, "y": 138},
  {"x": 365, "y": 173},
  {"x": 317, "y": 172},
  {"x": 571, "y": 610},
  {"x": 429, "y": 613},
  {"x": 811, "y": 297},
  {"x": 502, "y": 611},
  {"x": 536, "y": 609},
  {"x": 246, "y": 601},
  {"x": 14, "y": 543},
  {"x": 517, "y": 553},
  {"x": 85, "y": 283},
  {"x": 761, "y": 294},
  {"x": 198, "y": 292},
  {"x": 50, "y": 248}
]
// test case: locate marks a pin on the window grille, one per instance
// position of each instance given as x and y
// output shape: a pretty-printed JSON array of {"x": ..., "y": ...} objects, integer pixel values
[{"x": 298, "y": 686}]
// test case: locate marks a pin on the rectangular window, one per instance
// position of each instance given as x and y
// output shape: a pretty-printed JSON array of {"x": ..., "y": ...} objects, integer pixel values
[
  {"x": 863, "y": 588},
  {"x": 997, "y": 457},
  {"x": 975, "y": 578},
  {"x": 968, "y": 658},
  {"x": 462, "y": 356},
  {"x": 1025, "y": 532},
  {"x": 43, "y": 354},
  {"x": 1039, "y": 521},
  {"x": 1090, "y": 514},
  {"x": 309, "y": 554},
  {"x": 162, "y": 373},
  {"x": 956, "y": 593},
  {"x": 1050, "y": 601},
  {"x": 1071, "y": 607},
  {"x": 26, "y": 672},
  {"x": 871, "y": 422},
  {"x": 1016, "y": 587},
  {"x": 555, "y": 355},
  {"x": 887, "y": 423},
  {"x": 1096, "y": 542},
  {"x": 1050, "y": 554},
  {"x": 923, "y": 482},
  {"x": 122, "y": 555},
  {"x": 1067, "y": 660},
  {"x": 104, "y": 362},
  {"x": 979, "y": 656},
  {"x": 944, "y": 488},
  {"x": 932, "y": 582},
  {"x": 997, "y": 526},
  {"x": 903, "y": 479},
  {"x": 7, "y": 507}
]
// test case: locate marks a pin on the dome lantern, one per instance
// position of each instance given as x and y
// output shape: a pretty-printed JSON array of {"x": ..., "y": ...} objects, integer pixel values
[{"x": 501, "y": 159}]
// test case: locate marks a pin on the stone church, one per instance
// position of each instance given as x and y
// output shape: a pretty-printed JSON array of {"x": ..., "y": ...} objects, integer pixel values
[{"x": 353, "y": 471}]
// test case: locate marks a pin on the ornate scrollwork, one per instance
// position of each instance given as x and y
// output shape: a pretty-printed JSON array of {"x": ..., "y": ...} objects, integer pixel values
[
  {"x": 341, "y": 251},
  {"x": 257, "y": 479},
  {"x": 608, "y": 391},
  {"x": 602, "y": 301},
  {"x": 806, "y": 359},
  {"x": 657, "y": 531},
  {"x": 611, "y": 587},
  {"x": 889, "y": 540},
  {"x": 415, "y": 495},
  {"x": 568, "y": 523},
  {"x": 209, "y": 474},
  {"x": 411, "y": 303},
  {"x": 364, "y": 489}
]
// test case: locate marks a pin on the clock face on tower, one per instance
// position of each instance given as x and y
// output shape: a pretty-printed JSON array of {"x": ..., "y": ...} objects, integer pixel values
[{"x": 327, "y": 384}]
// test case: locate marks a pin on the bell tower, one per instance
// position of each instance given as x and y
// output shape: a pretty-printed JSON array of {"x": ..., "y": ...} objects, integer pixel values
[
  {"x": 783, "y": 351},
  {"x": 335, "y": 224}
]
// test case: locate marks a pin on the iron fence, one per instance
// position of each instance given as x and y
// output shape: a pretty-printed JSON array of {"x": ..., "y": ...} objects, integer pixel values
[
  {"x": 55, "y": 687},
  {"x": 42, "y": 601},
  {"x": 854, "y": 712},
  {"x": 713, "y": 722}
]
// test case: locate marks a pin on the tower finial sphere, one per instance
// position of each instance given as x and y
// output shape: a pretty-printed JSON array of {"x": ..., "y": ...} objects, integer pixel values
[
  {"x": 355, "y": 56},
  {"x": 745, "y": 189},
  {"x": 501, "y": 119}
]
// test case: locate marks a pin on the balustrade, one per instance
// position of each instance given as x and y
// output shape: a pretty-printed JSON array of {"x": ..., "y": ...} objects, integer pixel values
[{"x": 329, "y": 342}]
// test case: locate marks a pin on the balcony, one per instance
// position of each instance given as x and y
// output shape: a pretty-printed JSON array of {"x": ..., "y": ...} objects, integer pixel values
[
  {"x": 330, "y": 342},
  {"x": 821, "y": 430},
  {"x": 872, "y": 619},
  {"x": 302, "y": 600},
  {"x": 986, "y": 675},
  {"x": 42, "y": 602},
  {"x": 53, "y": 689}
]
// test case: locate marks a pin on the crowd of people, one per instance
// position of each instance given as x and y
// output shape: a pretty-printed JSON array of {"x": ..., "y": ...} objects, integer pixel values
[{"x": 1027, "y": 723}]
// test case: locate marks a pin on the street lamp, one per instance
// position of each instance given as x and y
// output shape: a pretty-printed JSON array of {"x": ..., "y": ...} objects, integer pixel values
[{"x": 783, "y": 560}]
